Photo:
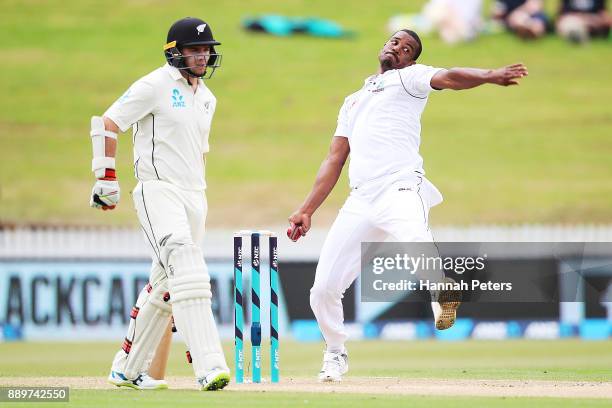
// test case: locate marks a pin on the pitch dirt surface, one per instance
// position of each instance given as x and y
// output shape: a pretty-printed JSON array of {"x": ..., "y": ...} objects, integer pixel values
[{"x": 362, "y": 385}]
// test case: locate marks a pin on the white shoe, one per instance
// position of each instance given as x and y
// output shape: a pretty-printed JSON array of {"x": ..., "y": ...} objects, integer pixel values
[
  {"x": 445, "y": 310},
  {"x": 142, "y": 382},
  {"x": 217, "y": 379},
  {"x": 334, "y": 366}
]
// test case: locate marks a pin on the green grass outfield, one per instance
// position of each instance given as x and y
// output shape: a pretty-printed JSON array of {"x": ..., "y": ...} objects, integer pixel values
[
  {"x": 535, "y": 153},
  {"x": 127, "y": 399},
  {"x": 562, "y": 360}
]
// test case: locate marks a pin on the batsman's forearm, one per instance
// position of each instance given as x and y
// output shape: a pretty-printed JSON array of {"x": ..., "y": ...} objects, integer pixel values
[
  {"x": 104, "y": 143},
  {"x": 327, "y": 177},
  {"x": 110, "y": 147},
  {"x": 466, "y": 78}
]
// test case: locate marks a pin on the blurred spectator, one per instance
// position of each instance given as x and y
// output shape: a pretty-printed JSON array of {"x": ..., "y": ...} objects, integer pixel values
[
  {"x": 526, "y": 18},
  {"x": 580, "y": 20},
  {"x": 455, "y": 21}
]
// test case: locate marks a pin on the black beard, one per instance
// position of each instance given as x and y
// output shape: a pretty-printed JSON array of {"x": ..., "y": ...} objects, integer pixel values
[
  {"x": 193, "y": 74},
  {"x": 386, "y": 64}
]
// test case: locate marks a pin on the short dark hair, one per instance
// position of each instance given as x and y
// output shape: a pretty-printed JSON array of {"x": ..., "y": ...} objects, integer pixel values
[{"x": 416, "y": 38}]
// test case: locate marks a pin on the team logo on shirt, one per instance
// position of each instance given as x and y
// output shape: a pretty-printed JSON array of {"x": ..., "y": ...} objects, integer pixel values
[
  {"x": 376, "y": 85},
  {"x": 177, "y": 99}
]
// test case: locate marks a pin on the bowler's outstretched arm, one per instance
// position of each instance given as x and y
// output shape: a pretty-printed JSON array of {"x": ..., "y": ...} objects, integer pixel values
[{"x": 466, "y": 78}]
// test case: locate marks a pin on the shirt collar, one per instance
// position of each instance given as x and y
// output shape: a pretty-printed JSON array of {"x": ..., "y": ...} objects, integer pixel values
[
  {"x": 177, "y": 76},
  {"x": 174, "y": 72}
]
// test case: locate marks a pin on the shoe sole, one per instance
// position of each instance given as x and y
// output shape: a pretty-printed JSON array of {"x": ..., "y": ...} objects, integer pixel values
[
  {"x": 218, "y": 383},
  {"x": 135, "y": 387},
  {"x": 449, "y": 301},
  {"x": 330, "y": 380}
]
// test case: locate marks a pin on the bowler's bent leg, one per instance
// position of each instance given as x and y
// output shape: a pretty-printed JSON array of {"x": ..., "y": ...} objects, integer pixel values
[
  {"x": 338, "y": 267},
  {"x": 403, "y": 214}
]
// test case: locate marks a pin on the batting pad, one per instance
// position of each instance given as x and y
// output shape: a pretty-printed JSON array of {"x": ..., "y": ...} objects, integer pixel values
[
  {"x": 189, "y": 284},
  {"x": 149, "y": 320}
]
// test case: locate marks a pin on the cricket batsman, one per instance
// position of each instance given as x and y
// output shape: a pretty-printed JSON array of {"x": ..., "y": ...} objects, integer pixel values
[
  {"x": 380, "y": 127},
  {"x": 170, "y": 112}
]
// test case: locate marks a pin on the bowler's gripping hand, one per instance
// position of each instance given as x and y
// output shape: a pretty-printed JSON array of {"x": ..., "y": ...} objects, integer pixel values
[
  {"x": 299, "y": 224},
  {"x": 105, "y": 194}
]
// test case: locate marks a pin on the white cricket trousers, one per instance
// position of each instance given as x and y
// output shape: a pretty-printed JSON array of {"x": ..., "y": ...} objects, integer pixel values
[
  {"x": 168, "y": 214},
  {"x": 170, "y": 218},
  {"x": 398, "y": 212}
]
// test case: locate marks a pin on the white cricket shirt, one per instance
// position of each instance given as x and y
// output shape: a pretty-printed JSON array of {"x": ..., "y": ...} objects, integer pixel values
[
  {"x": 382, "y": 122},
  {"x": 170, "y": 127}
]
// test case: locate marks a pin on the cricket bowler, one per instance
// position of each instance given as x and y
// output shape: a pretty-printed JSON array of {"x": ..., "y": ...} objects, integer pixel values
[{"x": 380, "y": 127}]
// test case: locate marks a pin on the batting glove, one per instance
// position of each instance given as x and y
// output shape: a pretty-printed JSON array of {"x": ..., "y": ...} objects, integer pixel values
[{"x": 105, "y": 194}]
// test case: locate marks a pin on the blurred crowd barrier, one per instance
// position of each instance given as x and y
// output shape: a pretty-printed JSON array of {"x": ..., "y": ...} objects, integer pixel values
[
  {"x": 73, "y": 284},
  {"x": 32, "y": 242}
]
